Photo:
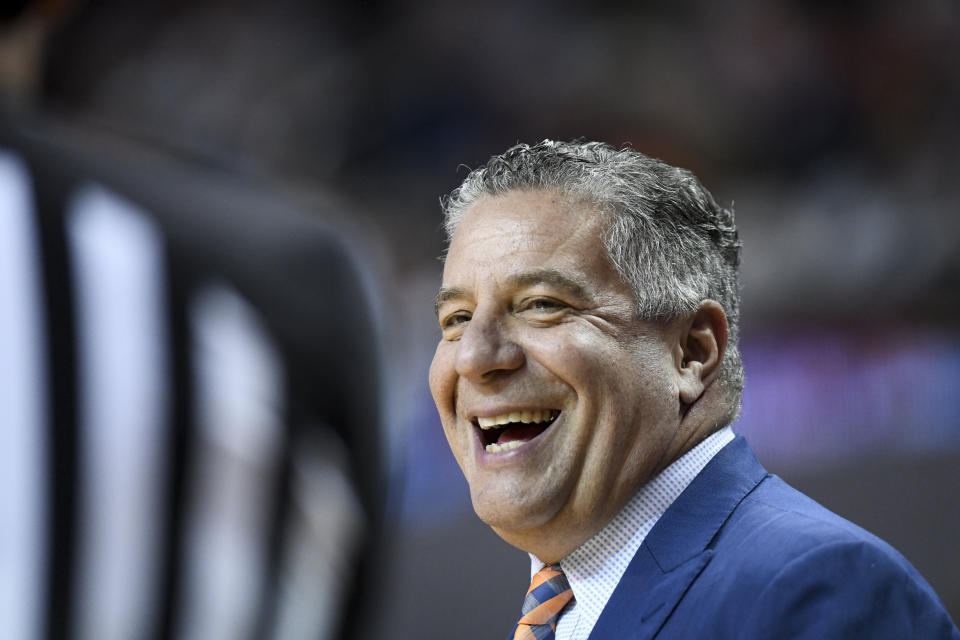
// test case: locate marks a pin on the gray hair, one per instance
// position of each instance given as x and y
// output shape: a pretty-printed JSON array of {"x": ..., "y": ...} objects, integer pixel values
[{"x": 666, "y": 235}]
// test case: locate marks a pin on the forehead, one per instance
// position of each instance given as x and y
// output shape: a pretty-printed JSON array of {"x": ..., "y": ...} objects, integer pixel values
[
  {"x": 530, "y": 239},
  {"x": 536, "y": 226}
]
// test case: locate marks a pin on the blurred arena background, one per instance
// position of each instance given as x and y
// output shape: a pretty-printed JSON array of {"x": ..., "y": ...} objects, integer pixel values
[{"x": 833, "y": 127}]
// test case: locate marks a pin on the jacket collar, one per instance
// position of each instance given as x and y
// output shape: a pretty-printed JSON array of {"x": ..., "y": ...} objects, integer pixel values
[{"x": 677, "y": 548}]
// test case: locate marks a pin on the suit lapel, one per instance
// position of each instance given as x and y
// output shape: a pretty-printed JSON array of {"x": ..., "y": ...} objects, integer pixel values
[
  {"x": 676, "y": 549},
  {"x": 646, "y": 595}
]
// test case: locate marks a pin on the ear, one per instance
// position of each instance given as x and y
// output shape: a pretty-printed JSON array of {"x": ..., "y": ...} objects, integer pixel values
[{"x": 703, "y": 341}]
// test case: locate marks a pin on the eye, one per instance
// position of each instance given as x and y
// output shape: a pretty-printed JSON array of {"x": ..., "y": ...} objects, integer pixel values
[
  {"x": 542, "y": 306},
  {"x": 454, "y": 320},
  {"x": 546, "y": 304}
]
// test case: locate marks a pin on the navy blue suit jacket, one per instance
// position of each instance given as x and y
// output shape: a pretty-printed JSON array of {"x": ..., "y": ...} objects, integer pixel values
[{"x": 740, "y": 554}]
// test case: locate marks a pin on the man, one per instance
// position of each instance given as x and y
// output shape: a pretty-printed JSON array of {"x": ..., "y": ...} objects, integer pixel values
[{"x": 586, "y": 378}]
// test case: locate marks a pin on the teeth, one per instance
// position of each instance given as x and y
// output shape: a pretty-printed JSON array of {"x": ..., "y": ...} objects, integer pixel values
[
  {"x": 539, "y": 415},
  {"x": 493, "y": 447}
]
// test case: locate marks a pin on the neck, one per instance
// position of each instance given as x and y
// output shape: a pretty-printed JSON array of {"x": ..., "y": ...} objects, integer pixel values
[{"x": 558, "y": 538}]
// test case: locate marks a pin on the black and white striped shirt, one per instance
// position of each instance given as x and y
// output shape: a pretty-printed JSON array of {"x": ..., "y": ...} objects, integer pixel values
[{"x": 189, "y": 405}]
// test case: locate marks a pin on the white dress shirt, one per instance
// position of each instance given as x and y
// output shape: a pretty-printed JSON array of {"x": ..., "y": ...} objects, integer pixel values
[{"x": 594, "y": 568}]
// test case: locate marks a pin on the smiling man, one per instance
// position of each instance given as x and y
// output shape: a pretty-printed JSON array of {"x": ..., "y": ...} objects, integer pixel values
[{"x": 586, "y": 378}]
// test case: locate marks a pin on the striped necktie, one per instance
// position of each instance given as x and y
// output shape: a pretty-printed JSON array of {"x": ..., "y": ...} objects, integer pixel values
[{"x": 548, "y": 594}]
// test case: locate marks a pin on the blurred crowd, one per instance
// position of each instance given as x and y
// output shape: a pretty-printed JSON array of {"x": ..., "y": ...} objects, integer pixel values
[{"x": 833, "y": 126}]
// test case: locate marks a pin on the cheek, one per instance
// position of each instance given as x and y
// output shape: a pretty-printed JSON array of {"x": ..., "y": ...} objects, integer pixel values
[
  {"x": 442, "y": 382},
  {"x": 440, "y": 373},
  {"x": 570, "y": 352}
]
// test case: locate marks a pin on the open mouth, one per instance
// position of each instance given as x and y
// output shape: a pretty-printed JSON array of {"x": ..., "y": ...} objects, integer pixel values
[{"x": 511, "y": 430}]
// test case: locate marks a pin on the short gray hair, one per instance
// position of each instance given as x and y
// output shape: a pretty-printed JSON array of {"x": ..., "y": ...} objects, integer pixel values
[{"x": 666, "y": 235}]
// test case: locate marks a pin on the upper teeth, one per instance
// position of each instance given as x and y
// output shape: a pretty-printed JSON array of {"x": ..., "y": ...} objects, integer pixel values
[{"x": 540, "y": 415}]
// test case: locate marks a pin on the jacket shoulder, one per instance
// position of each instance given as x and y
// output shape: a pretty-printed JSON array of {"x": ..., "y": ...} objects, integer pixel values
[{"x": 785, "y": 566}]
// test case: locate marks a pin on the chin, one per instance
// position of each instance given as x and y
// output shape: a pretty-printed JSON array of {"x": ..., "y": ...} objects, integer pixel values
[{"x": 505, "y": 515}]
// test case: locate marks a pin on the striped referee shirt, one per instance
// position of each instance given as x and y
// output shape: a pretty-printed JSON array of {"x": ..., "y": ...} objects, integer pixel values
[{"x": 188, "y": 405}]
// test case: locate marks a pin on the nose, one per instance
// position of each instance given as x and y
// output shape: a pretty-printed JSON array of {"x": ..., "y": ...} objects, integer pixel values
[{"x": 486, "y": 350}]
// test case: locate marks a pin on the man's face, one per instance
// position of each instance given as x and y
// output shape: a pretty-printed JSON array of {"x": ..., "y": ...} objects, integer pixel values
[{"x": 540, "y": 333}]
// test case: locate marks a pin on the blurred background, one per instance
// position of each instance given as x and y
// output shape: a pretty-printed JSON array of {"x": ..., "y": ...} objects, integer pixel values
[{"x": 833, "y": 127}]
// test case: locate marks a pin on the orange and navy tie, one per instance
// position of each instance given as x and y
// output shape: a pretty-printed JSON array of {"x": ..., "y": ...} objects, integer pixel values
[{"x": 548, "y": 594}]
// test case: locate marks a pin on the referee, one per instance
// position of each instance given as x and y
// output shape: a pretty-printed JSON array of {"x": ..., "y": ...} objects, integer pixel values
[{"x": 189, "y": 404}]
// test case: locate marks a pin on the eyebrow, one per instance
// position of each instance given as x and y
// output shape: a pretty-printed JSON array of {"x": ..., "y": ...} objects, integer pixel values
[
  {"x": 551, "y": 277},
  {"x": 445, "y": 294},
  {"x": 525, "y": 279}
]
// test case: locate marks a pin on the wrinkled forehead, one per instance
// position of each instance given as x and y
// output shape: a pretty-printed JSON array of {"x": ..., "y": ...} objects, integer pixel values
[
  {"x": 531, "y": 231},
  {"x": 525, "y": 218}
]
